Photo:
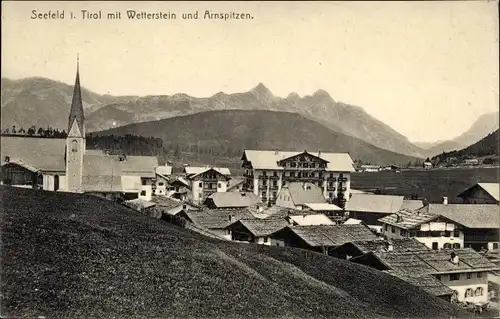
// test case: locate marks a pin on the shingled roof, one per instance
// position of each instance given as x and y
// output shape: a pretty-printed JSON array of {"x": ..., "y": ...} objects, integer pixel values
[
  {"x": 402, "y": 244},
  {"x": 408, "y": 219},
  {"x": 234, "y": 199},
  {"x": 332, "y": 235},
  {"x": 45, "y": 154},
  {"x": 305, "y": 193},
  {"x": 386, "y": 204},
  {"x": 218, "y": 218},
  {"x": 192, "y": 171},
  {"x": 436, "y": 261},
  {"x": 261, "y": 227},
  {"x": 260, "y": 159},
  {"x": 427, "y": 282},
  {"x": 468, "y": 215}
]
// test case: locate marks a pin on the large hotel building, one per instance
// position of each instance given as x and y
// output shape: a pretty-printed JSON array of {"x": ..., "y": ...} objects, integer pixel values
[{"x": 267, "y": 171}]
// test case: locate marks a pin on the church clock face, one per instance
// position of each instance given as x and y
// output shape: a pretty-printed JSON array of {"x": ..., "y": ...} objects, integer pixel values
[{"x": 73, "y": 159}]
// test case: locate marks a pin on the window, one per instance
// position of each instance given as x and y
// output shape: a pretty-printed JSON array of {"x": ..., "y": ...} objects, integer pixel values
[
  {"x": 331, "y": 175},
  {"x": 479, "y": 291},
  {"x": 468, "y": 293},
  {"x": 495, "y": 246},
  {"x": 143, "y": 181},
  {"x": 274, "y": 194},
  {"x": 74, "y": 146},
  {"x": 263, "y": 194},
  {"x": 393, "y": 229},
  {"x": 386, "y": 227},
  {"x": 266, "y": 239},
  {"x": 403, "y": 232},
  {"x": 330, "y": 195},
  {"x": 456, "y": 245},
  {"x": 469, "y": 275},
  {"x": 456, "y": 233},
  {"x": 479, "y": 275},
  {"x": 413, "y": 233},
  {"x": 143, "y": 193},
  {"x": 447, "y": 246},
  {"x": 447, "y": 234},
  {"x": 454, "y": 277},
  {"x": 264, "y": 173},
  {"x": 219, "y": 185},
  {"x": 161, "y": 184},
  {"x": 275, "y": 183},
  {"x": 435, "y": 246},
  {"x": 200, "y": 184},
  {"x": 292, "y": 174}
]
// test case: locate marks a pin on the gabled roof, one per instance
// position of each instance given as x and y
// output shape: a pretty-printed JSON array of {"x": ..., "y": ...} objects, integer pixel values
[
  {"x": 337, "y": 162},
  {"x": 357, "y": 191},
  {"x": 98, "y": 165},
  {"x": 374, "y": 203},
  {"x": 280, "y": 212},
  {"x": 333, "y": 235},
  {"x": 323, "y": 206},
  {"x": 164, "y": 170},
  {"x": 261, "y": 227},
  {"x": 218, "y": 218},
  {"x": 426, "y": 282},
  {"x": 435, "y": 261},
  {"x": 493, "y": 189},
  {"x": 103, "y": 183},
  {"x": 234, "y": 199},
  {"x": 412, "y": 204},
  {"x": 45, "y": 154},
  {"x": 353, "y": 221},
  {"x": 402, "y": 244},
  {"x": 234, "y": 182},
  {"x": 192, "y": 171},
  {"x": 408, "y": 219},
  {"x": 310, "y": 220},
  {"x": 468, "y": 215},
  {"x": 305, "y": 193}
]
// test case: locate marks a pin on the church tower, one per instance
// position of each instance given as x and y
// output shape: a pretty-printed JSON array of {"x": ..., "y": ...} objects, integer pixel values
[{"x": 75, "y": 142}]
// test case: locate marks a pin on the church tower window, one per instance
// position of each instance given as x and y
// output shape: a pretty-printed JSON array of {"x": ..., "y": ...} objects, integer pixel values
[{"x": 74, "y": 146}]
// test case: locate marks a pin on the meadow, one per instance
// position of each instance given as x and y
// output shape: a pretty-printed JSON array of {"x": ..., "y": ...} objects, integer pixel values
[{"x": 431, "y": 185}]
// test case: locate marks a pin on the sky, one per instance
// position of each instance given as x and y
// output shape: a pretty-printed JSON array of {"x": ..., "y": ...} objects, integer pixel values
[{"x": 428, "y": 70}]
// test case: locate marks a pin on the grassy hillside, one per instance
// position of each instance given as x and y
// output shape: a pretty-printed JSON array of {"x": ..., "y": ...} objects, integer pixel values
[
  {"x": 236, "y": 129},
  {"x": 68, "y": 255}
]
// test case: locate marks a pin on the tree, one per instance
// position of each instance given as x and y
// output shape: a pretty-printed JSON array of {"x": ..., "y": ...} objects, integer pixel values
[
  {"x": 14, "y": 129},
  {"x": 40, "y": 131},
  {"x": 177, "y": 151}
]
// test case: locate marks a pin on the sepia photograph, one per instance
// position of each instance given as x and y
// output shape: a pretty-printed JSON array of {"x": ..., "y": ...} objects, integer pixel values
[{"x": 249, "y": 159}]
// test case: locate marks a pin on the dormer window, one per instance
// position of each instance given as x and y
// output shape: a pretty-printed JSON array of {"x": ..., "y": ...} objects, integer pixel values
[{"x": 74, "y": 146}]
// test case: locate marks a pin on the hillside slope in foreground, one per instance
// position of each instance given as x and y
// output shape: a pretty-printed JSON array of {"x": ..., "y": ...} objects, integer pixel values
[{"x": 68, "y": 255}]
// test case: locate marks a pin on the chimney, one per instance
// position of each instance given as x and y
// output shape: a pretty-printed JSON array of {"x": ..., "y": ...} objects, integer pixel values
[
  {"x": 7, "y": 159},
  {"x": 445, "y": 200},
  {"x": 184, "y": 207},
  {"x": 399, "y": 219},
  {"x": 319, "y": 153},
  {"x": 454, "y": 258}
]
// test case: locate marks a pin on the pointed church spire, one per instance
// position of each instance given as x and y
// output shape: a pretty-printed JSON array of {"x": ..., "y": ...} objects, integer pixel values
[{"x": 76, "y": 112}]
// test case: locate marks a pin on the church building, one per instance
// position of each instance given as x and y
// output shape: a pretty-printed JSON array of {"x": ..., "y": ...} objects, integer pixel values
[{"x": 57, "y": 164}]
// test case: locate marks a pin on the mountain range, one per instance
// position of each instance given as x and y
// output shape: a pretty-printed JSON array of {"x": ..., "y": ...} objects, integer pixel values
[
  {"x": 23, "y": 99},
  {"x": 484, "y": 125},
  {"x": 257, "y": 129}
]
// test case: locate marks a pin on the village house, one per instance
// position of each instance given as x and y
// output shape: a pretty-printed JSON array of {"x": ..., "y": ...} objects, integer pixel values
[
  {"x": 479, "y": 222},
  {"x": 370, "y": 168},
  {"x": 206, "y": 181},
  {"x": 172, "y": 206},
  {"x": 216, "y": 221},
  {"x": 56, "y": 164},
  {"x": 370, "y": 208},
  {"x": 464, "y": 270},
  {"x": 428, "y": 164},
  {"x": 256, "y": 230},
  {"x": 266, "y": 172},
  {"x": 426, "y": 282},
  {"x": 309, "y": 220},
  {"x": 232, "y": 200},
  {"x": 322, "y": 238},
  {"x": 481, "y": 193},
  {"x": 297, "y": 195},
  {"x": 163, "y": 174},
  {"x": 435, "y": 231},
  {"x": 179, "y": 188}
]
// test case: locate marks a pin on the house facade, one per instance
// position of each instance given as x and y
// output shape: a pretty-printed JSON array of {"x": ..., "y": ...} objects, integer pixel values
[
  {"x": 266, "y": 172},
  {"x": 435, "y": 231},
  {"x": 206, "y": 181}
]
